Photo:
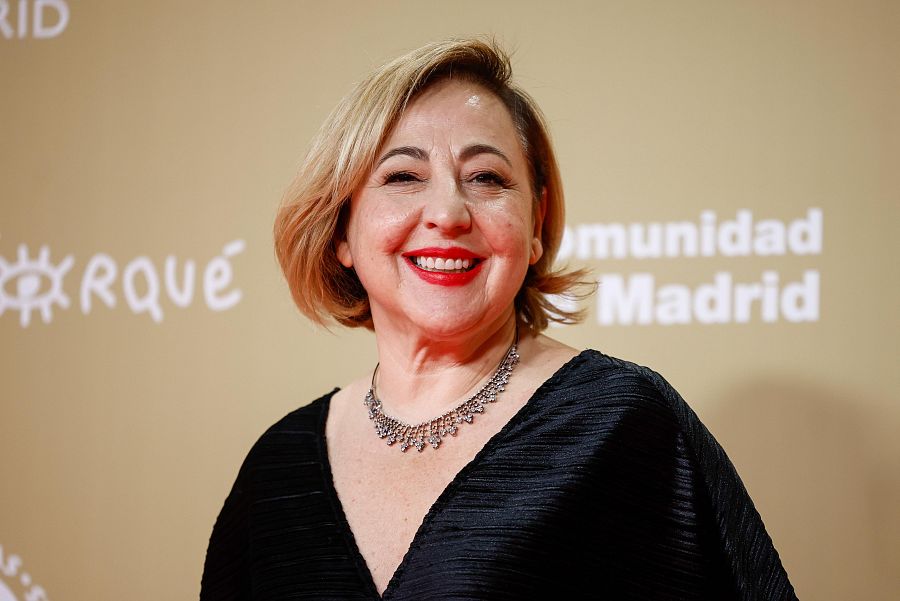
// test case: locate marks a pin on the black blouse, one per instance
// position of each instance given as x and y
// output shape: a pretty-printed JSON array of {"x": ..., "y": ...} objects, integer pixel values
[{"x": 605, "y": 485}]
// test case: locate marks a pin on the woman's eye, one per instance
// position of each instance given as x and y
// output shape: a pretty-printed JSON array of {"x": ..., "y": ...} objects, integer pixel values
[
  {"x": 489, "y": 178},
  {"x": 400, "y": 177}
]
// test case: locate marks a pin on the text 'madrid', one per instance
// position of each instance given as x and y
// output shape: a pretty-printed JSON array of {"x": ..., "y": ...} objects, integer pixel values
[{"x": 642, "y": 297}]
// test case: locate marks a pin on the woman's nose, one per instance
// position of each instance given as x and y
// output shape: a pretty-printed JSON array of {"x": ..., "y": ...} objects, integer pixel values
[{"x": 446, "y": 209}]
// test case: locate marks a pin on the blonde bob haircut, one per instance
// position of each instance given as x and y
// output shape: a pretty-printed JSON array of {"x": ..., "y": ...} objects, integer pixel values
[{"x": 312, "y": 215}]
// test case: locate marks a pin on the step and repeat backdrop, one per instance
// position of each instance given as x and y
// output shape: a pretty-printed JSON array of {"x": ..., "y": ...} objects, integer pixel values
[{"x": 732, "y": 182}]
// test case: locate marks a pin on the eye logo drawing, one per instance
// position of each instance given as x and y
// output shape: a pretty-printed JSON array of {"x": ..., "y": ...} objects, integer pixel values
[{"x": 28, "y": 275}]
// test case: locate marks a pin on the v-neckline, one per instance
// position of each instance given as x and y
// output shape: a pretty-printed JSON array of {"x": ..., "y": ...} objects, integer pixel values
[{"x": 442, "y": 499}]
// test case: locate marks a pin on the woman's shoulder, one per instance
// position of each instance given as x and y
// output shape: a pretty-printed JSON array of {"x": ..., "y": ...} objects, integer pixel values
[
  {"x": 612, "y": 378},
  {"x": 302, "y": 420},
  {"x": 298, "y": 432},
  {"x": 640, "y": 395},
  {"x": 594, "y": 383}
]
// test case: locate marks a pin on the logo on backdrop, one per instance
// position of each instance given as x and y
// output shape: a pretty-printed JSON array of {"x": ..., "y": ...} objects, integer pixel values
[
  {"x": 14, "y": 578},
  {"x": 22, "y": 290},
  {"x": 640, "y": 298},
  {"x": 38, "y": 19}
]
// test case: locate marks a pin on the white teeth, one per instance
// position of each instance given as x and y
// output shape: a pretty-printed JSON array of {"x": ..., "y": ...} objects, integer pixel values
[{"x": 441, "y": 264}]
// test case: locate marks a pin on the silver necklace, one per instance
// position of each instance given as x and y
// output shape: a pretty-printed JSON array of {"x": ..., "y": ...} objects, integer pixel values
[{"x": 433, "y": 431}]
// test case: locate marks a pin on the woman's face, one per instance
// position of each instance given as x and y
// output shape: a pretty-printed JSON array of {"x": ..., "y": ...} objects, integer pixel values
[{"x": 444, "y": 228}]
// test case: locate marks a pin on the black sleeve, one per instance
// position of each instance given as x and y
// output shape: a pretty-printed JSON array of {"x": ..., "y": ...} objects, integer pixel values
[
  {"x": 226, "y": 569},
  {"x": 746, "y": 548}
]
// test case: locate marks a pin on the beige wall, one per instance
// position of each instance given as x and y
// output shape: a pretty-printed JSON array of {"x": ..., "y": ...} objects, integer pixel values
[{"x": 142, "y": 131}]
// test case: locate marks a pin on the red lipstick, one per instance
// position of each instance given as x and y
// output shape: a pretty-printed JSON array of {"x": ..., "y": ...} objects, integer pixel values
[{"x": 444, "y": 278}]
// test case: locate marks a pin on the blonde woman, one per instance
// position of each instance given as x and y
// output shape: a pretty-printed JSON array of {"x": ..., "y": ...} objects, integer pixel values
[{"x": 479, "y": 459}]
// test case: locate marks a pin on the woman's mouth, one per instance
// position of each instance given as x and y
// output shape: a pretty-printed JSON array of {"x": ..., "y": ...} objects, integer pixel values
[
  {"x": 443, "y": 265},
  {"x": 455, "y": 266}
]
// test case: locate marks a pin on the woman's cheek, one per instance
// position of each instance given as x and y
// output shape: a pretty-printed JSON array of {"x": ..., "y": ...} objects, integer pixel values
[
  {"x": 509, "y": 235},
  {"x": 391, "y": 224}
]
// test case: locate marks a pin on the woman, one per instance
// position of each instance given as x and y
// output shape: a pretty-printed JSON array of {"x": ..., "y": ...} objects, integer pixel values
[{"x": 479, "y": 459}]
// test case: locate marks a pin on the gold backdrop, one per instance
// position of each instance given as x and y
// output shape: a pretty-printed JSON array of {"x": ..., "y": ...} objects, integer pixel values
[{"x": 732, "y": 179}]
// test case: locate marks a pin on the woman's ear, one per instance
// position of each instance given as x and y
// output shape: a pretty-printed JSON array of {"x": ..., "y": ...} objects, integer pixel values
[
  {"x": 537, "y": 251},
  {"x": 343, "y": 254},
  {"x": 537, "y": 247},
  {"x": 342, "y": 247}
]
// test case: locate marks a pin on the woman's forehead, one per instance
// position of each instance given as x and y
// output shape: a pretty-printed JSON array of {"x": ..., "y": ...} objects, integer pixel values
[
  {"x": 456, "y": 110},
  {"x": 459, "y": 93}
]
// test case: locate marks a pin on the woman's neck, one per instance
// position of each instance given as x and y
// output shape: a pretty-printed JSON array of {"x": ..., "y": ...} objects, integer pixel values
[{"x": 420, "y": 377}]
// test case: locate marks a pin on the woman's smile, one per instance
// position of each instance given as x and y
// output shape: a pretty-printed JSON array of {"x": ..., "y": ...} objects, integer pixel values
[
  {"x": 443, "y": 265},
  {"x": 451, "y": 266}
]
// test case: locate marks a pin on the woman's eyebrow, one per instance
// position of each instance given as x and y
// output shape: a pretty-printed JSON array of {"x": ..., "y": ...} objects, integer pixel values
[
  {"x": 475, "y": 149},
  {"x": 411, "y": 151}
]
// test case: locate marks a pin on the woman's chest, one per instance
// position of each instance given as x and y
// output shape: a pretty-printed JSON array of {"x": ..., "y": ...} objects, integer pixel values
[
  {"x": 425, "y": 526},
  {"x": 386, "y": 497},
  {"x": 386, "y": 494}
]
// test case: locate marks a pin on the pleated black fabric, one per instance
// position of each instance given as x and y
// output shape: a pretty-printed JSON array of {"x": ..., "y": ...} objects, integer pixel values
[{"x": 605, "y": 485}]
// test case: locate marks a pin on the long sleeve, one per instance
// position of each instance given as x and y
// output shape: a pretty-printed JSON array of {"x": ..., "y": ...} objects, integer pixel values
[
  {"x": 747, "y": 549},
  {"x": 225, "y": 572}
]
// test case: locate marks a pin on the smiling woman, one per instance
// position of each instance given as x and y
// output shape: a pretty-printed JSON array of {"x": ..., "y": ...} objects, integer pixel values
[{"x": 430, "y": 210}]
